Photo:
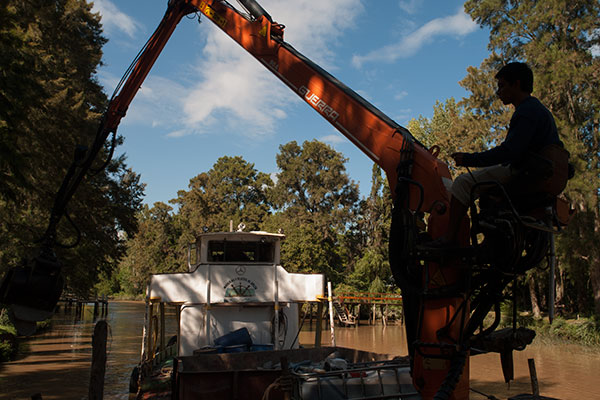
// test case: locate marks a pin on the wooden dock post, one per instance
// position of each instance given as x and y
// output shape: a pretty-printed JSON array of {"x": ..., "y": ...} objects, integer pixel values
[
  {"x": 96, "y": 389},
  {"x": 161, "y": 308},
  {"x": 535, "y": 388},
  {"x": 374, "y": 308},
  {"x": 318, "y": 329},
  {"x": 104, "y": 306}
]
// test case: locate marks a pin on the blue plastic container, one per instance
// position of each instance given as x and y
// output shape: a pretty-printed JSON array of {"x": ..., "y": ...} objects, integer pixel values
[
  {"x": 240, "y": 336},
  {"x": 207, "y": 350},
  {"x": 261, "y": 347},
  {"x": 236, "y": 348}
]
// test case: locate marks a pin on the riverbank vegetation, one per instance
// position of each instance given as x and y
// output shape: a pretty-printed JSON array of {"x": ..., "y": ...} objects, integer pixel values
[
  {"x": 583, "y": 331},
  {"x": 8, "y": 342},
  {"x": 51, "y": 102}
]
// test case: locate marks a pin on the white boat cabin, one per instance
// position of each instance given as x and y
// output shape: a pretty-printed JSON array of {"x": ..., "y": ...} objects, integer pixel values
[{"x": 235, "y": 281}]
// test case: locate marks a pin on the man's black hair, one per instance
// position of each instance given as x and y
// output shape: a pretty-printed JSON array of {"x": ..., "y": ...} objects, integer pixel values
[{"x": 517, "y": 71}]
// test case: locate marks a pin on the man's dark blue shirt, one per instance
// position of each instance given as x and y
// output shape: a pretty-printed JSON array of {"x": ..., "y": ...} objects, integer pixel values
[{"x": 531, "y": 127}]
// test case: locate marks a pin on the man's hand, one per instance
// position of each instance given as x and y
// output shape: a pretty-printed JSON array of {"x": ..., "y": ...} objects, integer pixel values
[{"x": 458, "y": 158}]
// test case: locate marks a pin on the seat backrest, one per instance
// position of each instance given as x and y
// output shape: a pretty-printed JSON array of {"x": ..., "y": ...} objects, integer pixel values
[{"x": 544, "y": 171}]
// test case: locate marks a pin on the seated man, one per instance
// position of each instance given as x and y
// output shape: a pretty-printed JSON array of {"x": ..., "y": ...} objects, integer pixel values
[{"x": 531, "y": 128}]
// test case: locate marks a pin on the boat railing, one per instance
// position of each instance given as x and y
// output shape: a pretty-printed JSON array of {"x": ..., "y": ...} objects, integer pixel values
[
  {"x": 366, "y": 297},
  {"x": 361, "y": 381}
]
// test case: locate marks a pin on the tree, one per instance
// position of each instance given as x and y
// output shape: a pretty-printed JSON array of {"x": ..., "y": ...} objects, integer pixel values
[
  {"x": 50, "y": 102},
  {"x": 369, "y": 241},
  {"x": 557, "y": 39},
  {"x": 313, "y": 178},
  {"x": 153, "y": 249},
  {"x": 446, "y": 129},
  {"x": 233, "y": 190},
  {"x": 315, "y": 201}
]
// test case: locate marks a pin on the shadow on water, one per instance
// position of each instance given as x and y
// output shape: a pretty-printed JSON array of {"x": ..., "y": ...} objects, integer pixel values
[
  {"x": 564, "y": 371},
  {"x": 57, "y": 362}
]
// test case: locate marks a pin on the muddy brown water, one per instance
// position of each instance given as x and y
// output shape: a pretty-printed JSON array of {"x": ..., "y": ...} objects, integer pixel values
[{"x": 58, "y": 361}]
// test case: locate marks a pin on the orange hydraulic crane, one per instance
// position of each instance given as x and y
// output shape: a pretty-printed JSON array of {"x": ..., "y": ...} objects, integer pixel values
[{"x": 446, "y": 293}]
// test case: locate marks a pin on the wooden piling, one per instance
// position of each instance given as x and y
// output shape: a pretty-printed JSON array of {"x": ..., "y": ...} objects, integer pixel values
[
  {"x": 161, "y": 307},
  {"x": 319, "y": 327},
  {"x": 96, "y": 389},
  {"x": 374, "y": 308},
  {"x": 104, "y": 306},
  {"x": 535, "y": 388}
]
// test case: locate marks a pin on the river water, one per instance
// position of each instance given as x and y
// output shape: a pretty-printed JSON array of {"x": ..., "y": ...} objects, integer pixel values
[{"x": 58, "y": 361}]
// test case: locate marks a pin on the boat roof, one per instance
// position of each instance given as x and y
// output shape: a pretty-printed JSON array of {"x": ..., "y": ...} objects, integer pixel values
[{"x": 241, "y": 234}]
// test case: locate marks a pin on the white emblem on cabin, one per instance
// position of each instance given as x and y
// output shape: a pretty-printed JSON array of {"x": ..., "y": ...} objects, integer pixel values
[{"x": 241, "y": 288}]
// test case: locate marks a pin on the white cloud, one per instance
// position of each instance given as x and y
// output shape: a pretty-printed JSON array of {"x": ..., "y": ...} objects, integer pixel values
[
  {"x": 158, "y": 104},
  {"x": 459, "y": 24},
  {"x": 595, "y": 50},
  {"x": 230, "y": 88},
  {"x": 234, "y": 87},
  {"x": 401, "y": 95},
  {"x": 178, "y": 133},
  {"x": 335, "y": 138},
  {"x": 403, "y": 116},
  {"x": 364, "y": 94},
  {"x": 114, "y": 19},
  {"x": 313, "y": 26},
  {"x": 410, "y": 6},
  {"x": 274, "y": 177}
]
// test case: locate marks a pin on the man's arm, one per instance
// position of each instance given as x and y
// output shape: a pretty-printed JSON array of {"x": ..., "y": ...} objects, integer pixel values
[{"x": 516, "y": 144}]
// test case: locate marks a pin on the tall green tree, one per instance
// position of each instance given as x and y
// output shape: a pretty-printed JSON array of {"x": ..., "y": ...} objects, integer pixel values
[
  {"x": 153, "y": 249},
  {"x": 50, "y": 102},
  {"x": 313, "y": 178},
  {"x": 315, "y": 201},
  {"x": 233, "y": 190},
  {"x": 448, "y": 130},
  {"x": 369, "y": 240}
]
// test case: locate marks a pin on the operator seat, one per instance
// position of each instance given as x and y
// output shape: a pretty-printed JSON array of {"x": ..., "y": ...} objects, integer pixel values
[
  {"x": 538, "y": 179},
  {"x": 536, "y": 182}
]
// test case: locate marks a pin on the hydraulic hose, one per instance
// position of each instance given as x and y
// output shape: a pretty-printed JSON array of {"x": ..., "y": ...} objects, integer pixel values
[
  {"x": 255, "y": 9},
  {"x": 457, "y": 365}
]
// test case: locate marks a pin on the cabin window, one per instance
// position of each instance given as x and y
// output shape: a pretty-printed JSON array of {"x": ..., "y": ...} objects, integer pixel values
[{"x": 236, "y": 251}]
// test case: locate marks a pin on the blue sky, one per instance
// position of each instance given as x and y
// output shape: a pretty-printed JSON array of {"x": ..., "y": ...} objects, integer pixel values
[{"x": 206, "y": 97}]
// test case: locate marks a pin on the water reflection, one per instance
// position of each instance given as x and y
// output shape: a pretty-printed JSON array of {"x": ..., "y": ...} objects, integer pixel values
[
  {"x": 59, "y": 360},
  {"x": 58, "y": 363}
]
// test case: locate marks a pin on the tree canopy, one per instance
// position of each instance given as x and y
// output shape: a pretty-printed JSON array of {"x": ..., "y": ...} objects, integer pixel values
[
  {"x": 315, "y": 200},
  {"x": 50, "y": 102},
  {"x": 232, "y": 190}
]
